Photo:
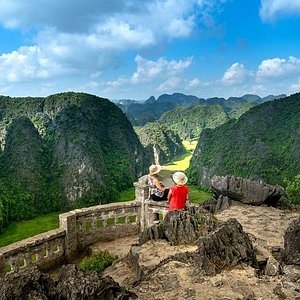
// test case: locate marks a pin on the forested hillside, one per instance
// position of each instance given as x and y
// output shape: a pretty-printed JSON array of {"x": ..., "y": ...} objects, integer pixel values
[
  {"x": 264, "y": 143},
  {"x": 188, "y": 122},
  {"x": 64, "y": 151}
]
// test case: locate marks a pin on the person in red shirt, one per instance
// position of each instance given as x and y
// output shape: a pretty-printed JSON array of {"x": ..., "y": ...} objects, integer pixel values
[{"x": 178, "y": 194}]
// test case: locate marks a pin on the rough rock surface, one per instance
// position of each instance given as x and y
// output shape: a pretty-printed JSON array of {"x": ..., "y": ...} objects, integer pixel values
[
  {"x": 72, "y": 284},
  {"x": 246, "y": 191},
  {"x": 215, "y": 205},
  {"x": 224, "y": 248},
  {"x": 30, "y": 284},
  {"x": 273, "y": 267},
  {"x": 180, "y": 227},
  {"x": 292, "y": 243},
  {"x": 169, "y": 278}
]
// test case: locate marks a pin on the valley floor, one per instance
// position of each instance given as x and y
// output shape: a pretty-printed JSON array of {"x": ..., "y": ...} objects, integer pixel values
[{"x": 174, "y": 280}]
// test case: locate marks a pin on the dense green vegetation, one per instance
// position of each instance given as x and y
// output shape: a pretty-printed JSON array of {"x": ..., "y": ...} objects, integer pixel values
[
  {"x": 264, "y": 143},
  {"x": 64, "y": 151},
  {"x": 167, "y": 143},
  {"x": 292, "y": 190},
  {"x": 188, "y": 122},
  {"x": 97, "y": 262}
]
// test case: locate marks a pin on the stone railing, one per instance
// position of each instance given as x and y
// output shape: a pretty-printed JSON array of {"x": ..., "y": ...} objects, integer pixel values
[
  {"x": 45, "y": 250},
  {"x": 80, "y": 228}
]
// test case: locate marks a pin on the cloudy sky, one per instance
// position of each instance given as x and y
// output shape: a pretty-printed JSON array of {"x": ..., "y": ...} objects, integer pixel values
[{"x": 133, "y": 49}]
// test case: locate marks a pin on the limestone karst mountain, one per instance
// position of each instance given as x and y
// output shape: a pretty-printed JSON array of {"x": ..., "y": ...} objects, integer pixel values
[{"x": 65, "y": 150}]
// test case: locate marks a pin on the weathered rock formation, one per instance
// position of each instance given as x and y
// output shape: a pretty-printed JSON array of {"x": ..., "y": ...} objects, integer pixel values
[
  {"x": 180, "y": 227},
  {"x": 246, "y": 191},
  {"x": 72, "y": 284},
  {"x": 224, "y": 248},
  {"x": 215, "y": 205},
  {"x": 292, "y": 243}
]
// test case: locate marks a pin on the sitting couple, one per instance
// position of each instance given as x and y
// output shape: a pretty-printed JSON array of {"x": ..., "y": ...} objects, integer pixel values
[{"x": 177, "y": 195}]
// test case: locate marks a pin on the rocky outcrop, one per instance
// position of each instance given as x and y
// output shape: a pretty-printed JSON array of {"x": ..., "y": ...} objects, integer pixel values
[
  {"x": 76, "y": 284},
  {"x": 292, "y": 243},
  {"x": 224, "y": 248},
  {"x": 72, "y": 284},
  {"x": 155, "y": 232},
  {"x": 246, "y": 191},
  {"x": 215, "y": 205},
  {"x": 180, "y": 227}
]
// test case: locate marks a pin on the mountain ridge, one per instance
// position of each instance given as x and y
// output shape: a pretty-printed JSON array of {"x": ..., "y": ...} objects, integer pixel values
[
  {"x": 263, "y": 144},
  {"x": 150, "y": 110}
]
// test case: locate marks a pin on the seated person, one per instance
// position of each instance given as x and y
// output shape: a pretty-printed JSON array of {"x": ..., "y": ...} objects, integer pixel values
[
  {"x": 178, "y": 194},
  {"x": 158, "y": 192}
]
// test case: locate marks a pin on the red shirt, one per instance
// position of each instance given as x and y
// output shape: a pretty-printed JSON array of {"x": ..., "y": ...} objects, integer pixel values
[{"x": 178, "y": 197}]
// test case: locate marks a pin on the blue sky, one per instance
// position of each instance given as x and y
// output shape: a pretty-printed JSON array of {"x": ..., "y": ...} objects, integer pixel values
[{"x": 132, "y": 49}]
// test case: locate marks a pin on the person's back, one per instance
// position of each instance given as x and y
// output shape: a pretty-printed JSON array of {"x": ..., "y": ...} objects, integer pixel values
[
  {"x": 158, "y": 192},
  {"x": 178, "y": 194}
]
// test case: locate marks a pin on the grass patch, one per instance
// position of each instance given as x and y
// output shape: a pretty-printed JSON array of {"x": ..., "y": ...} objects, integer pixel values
[
  {"x": 97, "y": 262},
  {"x": 17, "y": 231},
  {"x": 126, "y": 195},
  {"x": 197, "y": 195},
  {"x": 182, "y": 162},
  {"x": 190, "y": 145}
]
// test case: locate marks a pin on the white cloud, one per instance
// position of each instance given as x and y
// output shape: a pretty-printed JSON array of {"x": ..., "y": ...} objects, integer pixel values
[
  {"x": 193, "y": 83},
  {"x": 278, "y": 67},
  {"x": 258, "y": 89},
  {"x": 295, "y": 87},
  {"x": 270, "y": 9},
  {"x": 26, "y": 63},
  {"x": 83, "y": 37},
  {"x": 180, "y": 27},
  {"x": 148, "y": 70},
  {"x": 169, "y": 85},
  {"x": 236, "y": 74},
  {"x": 65, "y": 16}
]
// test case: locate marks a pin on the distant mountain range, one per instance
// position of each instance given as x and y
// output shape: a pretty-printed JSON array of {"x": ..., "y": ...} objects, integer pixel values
[{"x": 140, "y": 113}]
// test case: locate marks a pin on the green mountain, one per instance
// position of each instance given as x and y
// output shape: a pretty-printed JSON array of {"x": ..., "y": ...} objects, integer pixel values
[
  {"x": 63, "y": 151},
  {"x": 188, "y": 122},
  {"x": 263, "y": 144},
  {"x": 162, "y": 143}
]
